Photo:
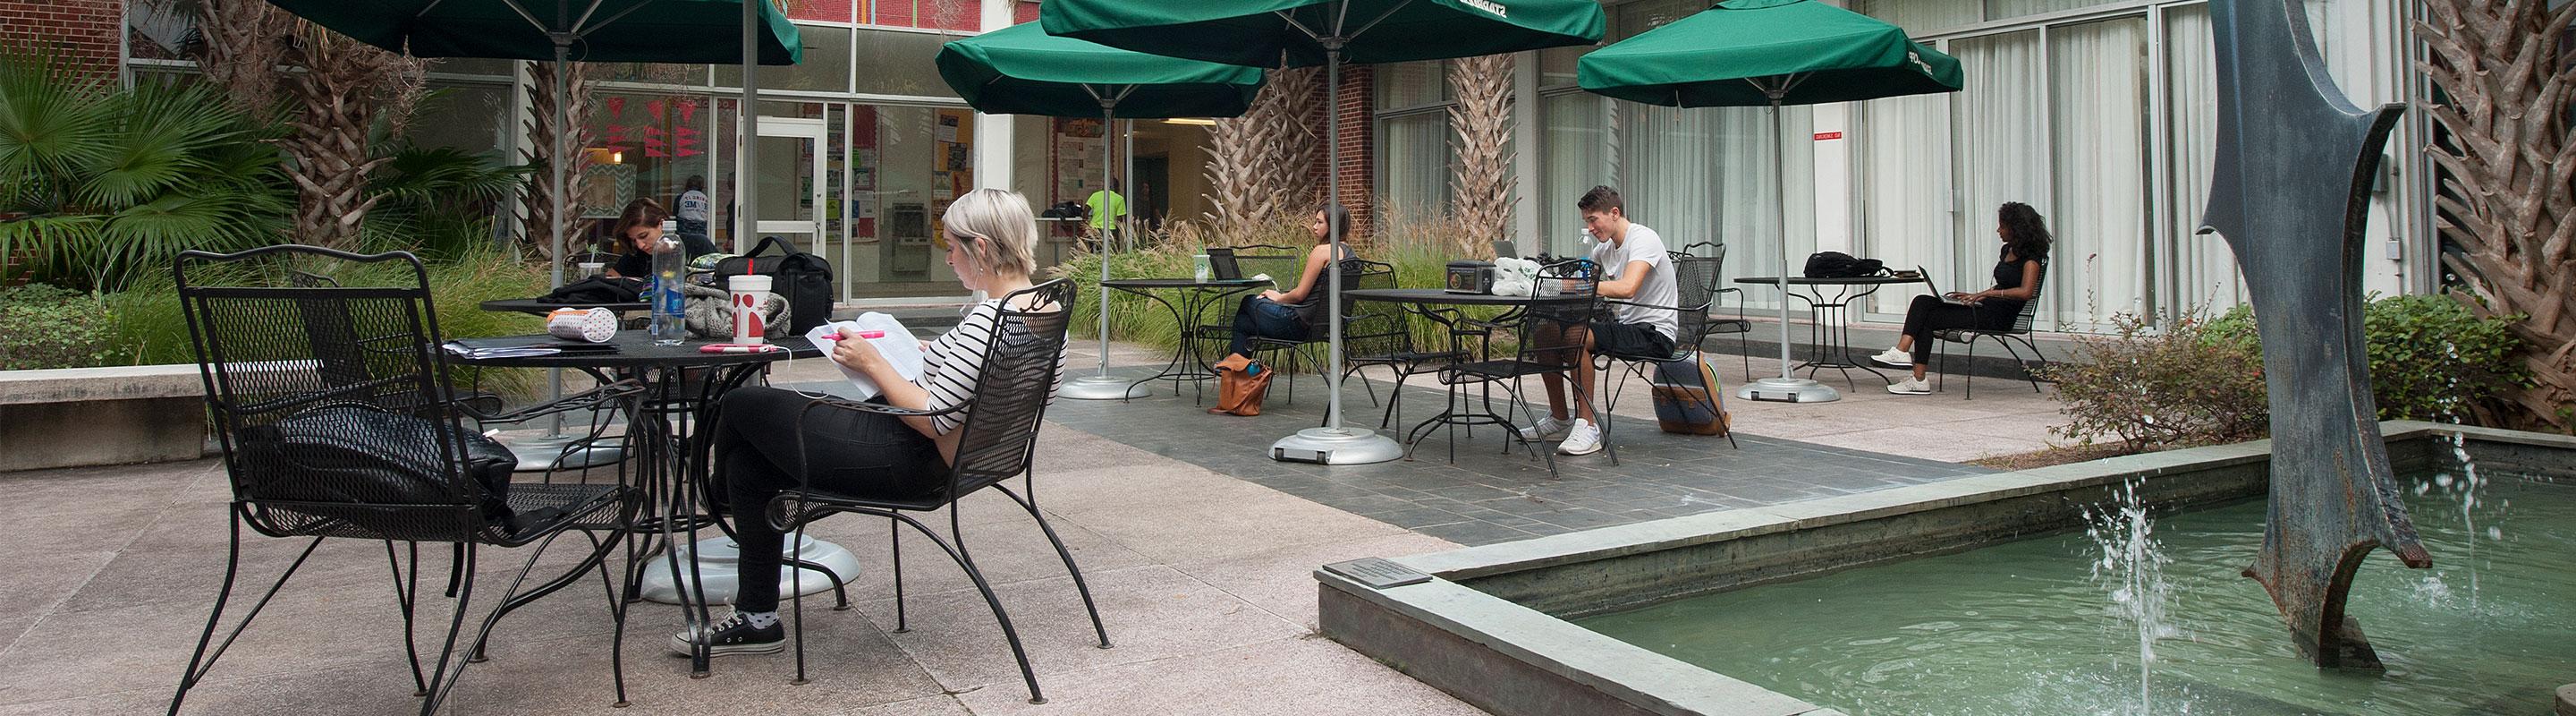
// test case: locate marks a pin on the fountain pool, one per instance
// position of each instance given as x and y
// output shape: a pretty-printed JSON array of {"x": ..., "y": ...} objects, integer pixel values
[
  {"x": 2027, "y": 628},
  {"x": 1987, "y": 604}
]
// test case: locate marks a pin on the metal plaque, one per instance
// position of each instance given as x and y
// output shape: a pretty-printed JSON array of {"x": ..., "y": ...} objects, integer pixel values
[{"x": 1378, "y": 573}]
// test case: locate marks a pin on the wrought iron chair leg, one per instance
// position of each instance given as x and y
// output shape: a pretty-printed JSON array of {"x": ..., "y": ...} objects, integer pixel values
[
  {"x": 1971, "y": 377},
  {"x": 202, "y": 661},
  {"x": 441, "y": 678},
  {"x": 617, "y": 614},
  {"x": 2028, "y": 371},
  {"x": 900, "y": 626},
  {"x": 1009, "y": 634},
  {"x": 796, "y": 587},
  {"x": 1079, "y": 585},
  {"x": 406, "y": 596}
]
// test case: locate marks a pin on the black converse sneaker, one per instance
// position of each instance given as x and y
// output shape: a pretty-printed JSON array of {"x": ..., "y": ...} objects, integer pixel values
[{"x": 735, "y": 634}]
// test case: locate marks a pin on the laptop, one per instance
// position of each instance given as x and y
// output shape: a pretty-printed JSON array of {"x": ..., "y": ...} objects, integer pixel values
[
  {"x": 1936, "y": 288},
  {"x": 1221, "y": 265},
  {"x": 1504, "y": 248}
]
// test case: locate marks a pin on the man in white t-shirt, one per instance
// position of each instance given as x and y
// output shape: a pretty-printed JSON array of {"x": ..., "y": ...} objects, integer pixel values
[{"x": 1634, "y": 271}]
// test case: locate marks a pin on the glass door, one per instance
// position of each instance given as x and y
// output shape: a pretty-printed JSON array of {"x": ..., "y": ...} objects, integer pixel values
[{"x": 788, "y": 166}]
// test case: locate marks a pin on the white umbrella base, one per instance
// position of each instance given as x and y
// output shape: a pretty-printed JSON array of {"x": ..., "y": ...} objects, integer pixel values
[
  {"x": 1788, "y": 390},
  {"x": 1102, "y": 387},
  {"x": 1336, "y": 446}
]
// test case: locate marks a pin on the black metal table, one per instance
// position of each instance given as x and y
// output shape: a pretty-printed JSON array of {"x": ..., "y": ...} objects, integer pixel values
[
  {"x": 540, "y": 307},
  {"x": 681, "y": 383},
  {"x": 1455, "y": 413},
  {"x": 1187, "y": 364},
  {"x": 1829, "y": 319}
]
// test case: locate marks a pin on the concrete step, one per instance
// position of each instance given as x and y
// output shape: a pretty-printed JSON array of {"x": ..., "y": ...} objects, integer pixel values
[{"x": 1990, "y": 361}]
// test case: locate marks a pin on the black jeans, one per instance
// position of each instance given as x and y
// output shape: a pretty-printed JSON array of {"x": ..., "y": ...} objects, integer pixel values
[
  {"x": 851, "y": 453},
  {"x": 1929, "y": 314},
  {"x": 1263, "y": 318}
]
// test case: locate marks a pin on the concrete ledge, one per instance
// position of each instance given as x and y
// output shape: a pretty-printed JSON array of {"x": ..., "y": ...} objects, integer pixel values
[
  {"x": 118, "y": 415},
  {"x": 1490, "y": 626},
  {"x": 129, "y": 382}
]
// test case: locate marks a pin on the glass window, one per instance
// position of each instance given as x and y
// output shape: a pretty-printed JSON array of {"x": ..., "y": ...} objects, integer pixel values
[
  {"x": 470, "y": 117},
  {"x": 2004, "y": 9},
  {"x": 1404, "y": 85},
  {"x": 899, "y": 63},
  {"x": 1577, "y": 157},
  {"x": 649, "y": 73},
  {"x": 1637, "y": 17},
  {"x": 1923, "y": 17},
  {"x": 1413, "y": 174},
  {"x": 651, "y": 146},
  {"x": 2098, "y": 72},
  {"x": 826, "y": 67},
  {"x": 1556, "y": 65}
]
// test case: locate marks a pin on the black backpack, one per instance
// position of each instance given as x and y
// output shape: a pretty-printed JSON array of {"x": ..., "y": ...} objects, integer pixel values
[
  {"x": 1836, "y": 264},
  {"x": 804, "y": 279}
]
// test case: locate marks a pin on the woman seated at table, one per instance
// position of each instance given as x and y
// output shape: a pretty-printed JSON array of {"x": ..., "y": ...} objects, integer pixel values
[
  {"x": 1282, "y": 315},
  {"x": 638, "y": 230},
  {"x": 2025, "y": 248},
  {"x": 990, "y": 236}
]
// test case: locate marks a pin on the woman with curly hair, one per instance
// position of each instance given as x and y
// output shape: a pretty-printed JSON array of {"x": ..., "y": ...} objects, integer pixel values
[{"x": 2017, "y": 274}]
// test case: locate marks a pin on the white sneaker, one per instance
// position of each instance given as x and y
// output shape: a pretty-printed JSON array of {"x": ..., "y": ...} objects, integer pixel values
[
  {"x": 1910, "y": 386},
  {"x": 1893, "y": 358},
  {"x": 1546, "y": 427},
  {"x": 1582, "y": 439}
]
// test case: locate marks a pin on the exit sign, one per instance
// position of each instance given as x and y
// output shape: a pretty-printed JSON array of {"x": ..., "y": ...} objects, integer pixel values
[{"x": 1822, "y": 136}]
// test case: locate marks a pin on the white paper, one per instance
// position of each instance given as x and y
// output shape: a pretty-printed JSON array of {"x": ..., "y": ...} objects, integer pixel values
[{"x": 900, "y": 349}]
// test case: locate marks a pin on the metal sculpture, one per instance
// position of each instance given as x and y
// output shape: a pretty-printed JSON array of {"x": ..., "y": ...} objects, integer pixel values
[{"x": 2296, "y": 160}]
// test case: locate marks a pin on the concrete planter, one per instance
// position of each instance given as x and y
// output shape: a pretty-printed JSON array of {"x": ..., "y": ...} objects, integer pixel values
[{"x": 71, "y": 417}]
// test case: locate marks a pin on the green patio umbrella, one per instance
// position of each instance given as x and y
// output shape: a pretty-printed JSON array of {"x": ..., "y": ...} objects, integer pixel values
[
  {"x": 1022, "y": 70},
  {"x": 561, "y": 31},
  {"x": 1304, "y": 33},
  {"x": 1769, "y": 53}
]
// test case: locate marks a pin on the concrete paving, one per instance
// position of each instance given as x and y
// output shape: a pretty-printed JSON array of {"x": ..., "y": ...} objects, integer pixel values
[{"x": 1202, "y": 575}]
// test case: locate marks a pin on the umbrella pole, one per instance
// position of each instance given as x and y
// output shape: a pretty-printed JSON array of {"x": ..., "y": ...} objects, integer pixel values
[
  {"x": 1334, "y": 444},
  {"x": 1102, "y": 386},
  {"x": 1787, "y": 388}
]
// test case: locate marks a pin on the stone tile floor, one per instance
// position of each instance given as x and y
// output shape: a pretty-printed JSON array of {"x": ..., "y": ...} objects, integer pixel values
[{"x": 1199, "y": 551}]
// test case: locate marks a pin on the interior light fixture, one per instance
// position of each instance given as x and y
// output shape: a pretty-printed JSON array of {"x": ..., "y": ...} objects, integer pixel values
[{"x": 1197, "y": 121}]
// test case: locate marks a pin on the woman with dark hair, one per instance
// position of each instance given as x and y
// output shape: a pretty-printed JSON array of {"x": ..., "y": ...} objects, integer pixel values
[
  {"x": 637, "y": 231},
  {"x": 2017, "y": 275},
  {"x": 1283, "y": 314}
]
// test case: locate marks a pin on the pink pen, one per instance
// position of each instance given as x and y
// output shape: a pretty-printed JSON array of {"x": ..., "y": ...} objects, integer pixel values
[
  {"x": 727, "y": 348},
  {"x": 862, "y": 334}
]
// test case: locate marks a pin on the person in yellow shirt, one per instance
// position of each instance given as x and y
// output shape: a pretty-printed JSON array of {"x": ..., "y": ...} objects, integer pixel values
[{"x": 1107, "y": 207}]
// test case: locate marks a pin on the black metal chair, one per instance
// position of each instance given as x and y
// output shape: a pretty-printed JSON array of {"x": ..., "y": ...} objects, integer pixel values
[
  {"x": 1721, "y": 325},
  {"x": 2018, "y": 331},
  {"x": 1302, "y": 355},
  {"x": 1386, "y": 338},
  {"x": 1546, "y": 314},
  {"x": 1023, "y": 360},
  {"x": 329, "y": 403},
  {"x": 1694, "y": 286}
]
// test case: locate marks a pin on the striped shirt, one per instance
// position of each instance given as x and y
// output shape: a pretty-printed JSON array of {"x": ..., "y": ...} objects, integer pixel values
[{"x": 950, "y": 367}]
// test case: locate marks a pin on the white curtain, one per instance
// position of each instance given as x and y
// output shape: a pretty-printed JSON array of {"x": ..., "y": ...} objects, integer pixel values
[
  {"x": 1921, "y": 17},
  {"x": 1903, "y": 152},
  {"x": 1705, "y": 175},
  {"x": 1999, "y": 152},
  {"x": 2201, "y": 269},
  {"x": 1414, "y": 172},
  {"x": 1577, "y": 127},
  {"x": 2099, "y": 264}
]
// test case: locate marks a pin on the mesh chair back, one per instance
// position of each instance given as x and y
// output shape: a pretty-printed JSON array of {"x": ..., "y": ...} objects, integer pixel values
[
  {"x": 302, "y": 376},
  {"x": 2030, "y": 308},
  {"x": 1022, "y": 361},
  {"x": 1695, "y": 285},
  {"x": 1548, "y": 322}
]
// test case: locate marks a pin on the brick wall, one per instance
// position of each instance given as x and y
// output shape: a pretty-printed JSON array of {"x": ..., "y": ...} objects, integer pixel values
[
  {"x": 80, "y": 32},
  {"x": 1359, "y": 146}
]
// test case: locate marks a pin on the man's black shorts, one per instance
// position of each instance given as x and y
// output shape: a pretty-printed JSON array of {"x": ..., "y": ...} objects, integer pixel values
[{"x": 1629, "y": 340}]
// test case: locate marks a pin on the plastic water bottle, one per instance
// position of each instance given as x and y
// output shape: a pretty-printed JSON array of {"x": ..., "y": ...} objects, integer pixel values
[{"x": 670, "y": 323}]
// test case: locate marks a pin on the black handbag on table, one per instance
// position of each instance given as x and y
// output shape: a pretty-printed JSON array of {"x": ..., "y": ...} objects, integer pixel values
[
  {"x": 804, "y": 279},
  {"x": 1836, "y": 264}
]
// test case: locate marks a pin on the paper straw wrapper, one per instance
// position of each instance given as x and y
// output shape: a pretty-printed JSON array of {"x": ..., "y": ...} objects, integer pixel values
[{"x": 596, "y": 325}]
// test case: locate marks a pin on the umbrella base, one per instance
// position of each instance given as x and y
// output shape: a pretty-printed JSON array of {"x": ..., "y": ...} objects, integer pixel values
[
  {"x": 1336, "y": 446},
  {"x": 1788, "y": 390},
  {"x": 1101, "y": 387}
]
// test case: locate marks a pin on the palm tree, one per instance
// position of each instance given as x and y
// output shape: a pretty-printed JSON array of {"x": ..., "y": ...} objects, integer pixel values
[
  {"x": 99, "y": 184},
  {"x": 1480, "y": 127}
]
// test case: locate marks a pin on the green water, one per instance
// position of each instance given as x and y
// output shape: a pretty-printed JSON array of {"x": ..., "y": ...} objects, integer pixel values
[{"x": 2024, "y": 628}]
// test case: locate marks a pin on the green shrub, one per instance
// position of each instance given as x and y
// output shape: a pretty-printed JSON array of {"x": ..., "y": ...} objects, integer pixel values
[
  {"x": 2200, "y": 381},
  {"x": 46, "y": 327},
  {"x": 2149, "y": 387}
]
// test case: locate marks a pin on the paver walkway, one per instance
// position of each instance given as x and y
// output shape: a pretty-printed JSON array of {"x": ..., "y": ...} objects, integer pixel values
[{"x": 1203, "y": 575}]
